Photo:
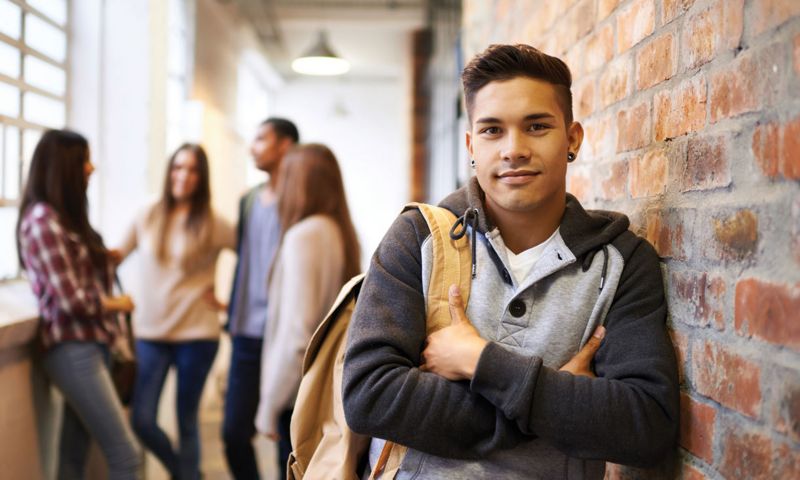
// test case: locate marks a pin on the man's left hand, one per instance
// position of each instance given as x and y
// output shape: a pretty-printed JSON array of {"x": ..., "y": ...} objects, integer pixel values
[{"x": 453, "y": 351}]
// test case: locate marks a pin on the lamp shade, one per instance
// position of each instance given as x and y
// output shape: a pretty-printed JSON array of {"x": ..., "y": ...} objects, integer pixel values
[{"x": 320, "y": 60}]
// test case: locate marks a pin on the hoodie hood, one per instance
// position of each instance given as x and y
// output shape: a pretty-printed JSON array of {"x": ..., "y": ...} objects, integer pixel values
[{"x": 583, "y": 231}]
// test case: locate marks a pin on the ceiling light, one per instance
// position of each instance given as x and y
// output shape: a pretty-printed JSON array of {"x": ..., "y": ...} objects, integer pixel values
[{"x": 320, "y": 60}]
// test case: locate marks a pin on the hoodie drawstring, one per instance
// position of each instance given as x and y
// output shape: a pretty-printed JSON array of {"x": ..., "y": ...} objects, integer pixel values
[
  {"x": 587, "y": 262},
  {"x": 470, "y": 216}
]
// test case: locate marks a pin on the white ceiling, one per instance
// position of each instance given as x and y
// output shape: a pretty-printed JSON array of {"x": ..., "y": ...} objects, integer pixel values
[{"x": 372, "y": 34}]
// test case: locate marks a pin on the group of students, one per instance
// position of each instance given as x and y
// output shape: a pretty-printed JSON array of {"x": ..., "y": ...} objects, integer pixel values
[
  {"x": 179, "y": 238},
  {"x": 558, "y": 362}
]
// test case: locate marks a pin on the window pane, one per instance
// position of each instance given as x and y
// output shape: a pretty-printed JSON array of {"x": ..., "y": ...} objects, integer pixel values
[
  {"x": 9, "y": 60},
  {"x": 45, "y": 38},
  {"x": 44, "y": 75},
  {"x": 11, "y": 150},
  {"x": 43, "y": 110},
  {"x": 29, "y": 140},
  {"x": 9, "y": 100},
  {"x": 56, "y": 10},
  {"x": 8, "y": 242},
  {"x": 10, "y": 19}
]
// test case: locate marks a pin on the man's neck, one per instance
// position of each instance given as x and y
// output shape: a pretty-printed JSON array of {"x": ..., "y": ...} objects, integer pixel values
[{"x": 524, "y": 230}]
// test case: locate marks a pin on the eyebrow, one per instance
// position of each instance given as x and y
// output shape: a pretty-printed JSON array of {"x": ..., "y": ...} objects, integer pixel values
[{"x": 532, "y": 116}]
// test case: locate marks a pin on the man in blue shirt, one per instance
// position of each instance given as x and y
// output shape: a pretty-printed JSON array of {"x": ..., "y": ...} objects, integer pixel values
[{"x": 258, "y": 238}]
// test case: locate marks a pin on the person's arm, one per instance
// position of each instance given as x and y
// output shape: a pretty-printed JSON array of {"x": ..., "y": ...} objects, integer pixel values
[
  {"x": 224, "y": 233},
  {"x": 311, "y": 264},
  {"x": 629, "y": 414},
  {"x": 385, "y": 393}
]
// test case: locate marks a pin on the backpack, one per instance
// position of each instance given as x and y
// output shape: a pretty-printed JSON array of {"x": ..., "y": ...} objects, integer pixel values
[{"x": 323, "y": 445}]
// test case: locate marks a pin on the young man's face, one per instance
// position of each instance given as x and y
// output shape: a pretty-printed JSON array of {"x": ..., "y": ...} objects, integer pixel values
[
  {"x": 519, "y": 142},
  {"x": 268, "y": 148}
]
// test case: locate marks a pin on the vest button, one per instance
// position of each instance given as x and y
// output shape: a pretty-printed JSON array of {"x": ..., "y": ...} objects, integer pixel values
[{"x": 517, "y": 308}]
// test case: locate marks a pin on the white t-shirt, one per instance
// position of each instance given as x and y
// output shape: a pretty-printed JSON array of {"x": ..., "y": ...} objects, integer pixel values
[{"x": 522, "y": 263}]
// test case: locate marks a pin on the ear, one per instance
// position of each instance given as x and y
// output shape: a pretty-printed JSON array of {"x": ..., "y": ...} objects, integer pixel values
[
  {"x": 575, "y": 137},
  {"x": 468, "y": 141}
]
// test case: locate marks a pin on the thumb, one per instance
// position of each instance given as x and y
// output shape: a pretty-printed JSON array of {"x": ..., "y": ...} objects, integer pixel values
[
  {"x": 456, "y": 303},
  {"x": 593, "y": 344}
]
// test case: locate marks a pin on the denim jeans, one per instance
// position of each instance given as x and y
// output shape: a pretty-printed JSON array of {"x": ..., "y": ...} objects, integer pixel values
[
  {"x": 92, "y": 410},
  {"x": 241, "y": 403},
  {"x": 192, "y": 361}
]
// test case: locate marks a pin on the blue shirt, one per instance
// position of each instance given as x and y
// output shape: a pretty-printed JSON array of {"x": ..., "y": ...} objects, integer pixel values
[{"x": 261, "y": 237}]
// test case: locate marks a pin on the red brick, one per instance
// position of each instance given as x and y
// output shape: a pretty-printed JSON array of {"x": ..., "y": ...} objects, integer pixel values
[
  {"x": 634, "y": 127},
  {"x": 656, "y": 62},
  {"x": 615, "y": 81},
  {"x": 788, "y": 462},
  {"x": 648, "y": 173},
  {"x": 768, "y": 311},
  {"x": 613, "y": 186},
  {"x": 795, "y": 238},
  {"x": 680, "y": 343},
  {"x": 724, "y": 376},
  {"x": 579, "y": 21},
  {"x": 712, "y": 31},
  {"x": 605, "y": 7},
  {"x": 707, "y": 164},
  {"x": 747, "y": 84},
  {"x": 635, "y": 23},
  {"x": 584, "y": 95},
  {"x": 673, "y": 8},
  {"x": 737, "y": 235},
  {"x": 680, "y": 111},
  {"x": 766, "y": 148},
  {"x": 599, "y": 48},
  {"x": 797, "y": 55},
  {"x": 540, "y": 19},
  {"x": 664, "y": 230},
  {"x": 600, "y": 141},
  {"x": 697, "y": 428},
  {"x": 790, "y": 154},
  {"x": 747, "y": 456},
  {"x": 580, "y": 186},
  {"x": 688, "y": 472},
  {"x": 768, "y": 14},
  {"x": 697, "y": 299}
]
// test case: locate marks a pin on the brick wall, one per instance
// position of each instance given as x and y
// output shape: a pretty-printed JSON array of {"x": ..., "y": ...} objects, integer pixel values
[{"x": 692, "y": 117}]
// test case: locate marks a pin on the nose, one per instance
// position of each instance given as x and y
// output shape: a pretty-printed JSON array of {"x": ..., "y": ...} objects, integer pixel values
[{"x": 515, "y": 147}]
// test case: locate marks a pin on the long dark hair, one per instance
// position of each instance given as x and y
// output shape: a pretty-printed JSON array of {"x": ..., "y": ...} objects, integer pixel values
[
  {"x": 57, "y": 178},
  {"x": 199, "y": 204},
  {"x": 310, "y": 183}
]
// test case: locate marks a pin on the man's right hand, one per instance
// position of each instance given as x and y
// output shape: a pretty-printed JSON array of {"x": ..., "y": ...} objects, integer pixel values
[{"x": 581, "y": 363}]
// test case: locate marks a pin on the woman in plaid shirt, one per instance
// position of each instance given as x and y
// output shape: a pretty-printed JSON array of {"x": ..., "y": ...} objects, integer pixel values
[{"x": 70, "y": 273}]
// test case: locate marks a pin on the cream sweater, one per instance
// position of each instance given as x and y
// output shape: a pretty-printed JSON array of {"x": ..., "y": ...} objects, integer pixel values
[
  {"x": 169, "y": 303},
  {"x": 307, "y": 277}
]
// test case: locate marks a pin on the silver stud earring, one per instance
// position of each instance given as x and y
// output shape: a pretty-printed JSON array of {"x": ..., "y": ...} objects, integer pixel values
[
  {"x": 570, "y": 157},
  {"x": 472, "y": 162}
]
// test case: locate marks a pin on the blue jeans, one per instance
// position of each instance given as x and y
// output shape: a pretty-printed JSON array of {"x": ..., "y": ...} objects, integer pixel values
[
  {"x": 241, "y": 403},
  {"x": 92, "y": 410},
  {"x": 192, "y": 361}
]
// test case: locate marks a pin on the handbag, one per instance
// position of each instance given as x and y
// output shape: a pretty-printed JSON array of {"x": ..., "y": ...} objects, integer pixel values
[{"x": 123, "y": 357}]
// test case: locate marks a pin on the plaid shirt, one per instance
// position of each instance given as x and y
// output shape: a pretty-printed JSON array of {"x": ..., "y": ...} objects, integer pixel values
[{"x": 64, "y": 280}]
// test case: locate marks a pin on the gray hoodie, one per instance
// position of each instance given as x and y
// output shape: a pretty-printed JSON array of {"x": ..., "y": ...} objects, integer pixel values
[{"x": 518, "y": 417}]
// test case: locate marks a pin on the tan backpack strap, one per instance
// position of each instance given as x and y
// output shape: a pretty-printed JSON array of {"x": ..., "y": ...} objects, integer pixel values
[
  {"x": 388, "y": 464},
  {"x": 452, "y": 263}
]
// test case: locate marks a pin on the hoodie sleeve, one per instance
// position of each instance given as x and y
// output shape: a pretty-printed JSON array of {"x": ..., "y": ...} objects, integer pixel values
[
  {"x": 629, "y": 414},
  {"x": 385, "y": 393}
]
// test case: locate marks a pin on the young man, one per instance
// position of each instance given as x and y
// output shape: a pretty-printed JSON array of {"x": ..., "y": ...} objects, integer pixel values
[
  {"x": 484, "y": 398},
  {"x": 258, "y": 238}
]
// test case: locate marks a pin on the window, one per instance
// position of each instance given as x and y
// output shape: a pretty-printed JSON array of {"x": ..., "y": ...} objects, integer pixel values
[{"x": 33, "y": 86}]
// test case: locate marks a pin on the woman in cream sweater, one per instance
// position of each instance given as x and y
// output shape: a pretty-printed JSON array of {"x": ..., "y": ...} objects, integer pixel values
[
  {"x": 177, "y": 324},
  {"x": 319, "y": 252}
]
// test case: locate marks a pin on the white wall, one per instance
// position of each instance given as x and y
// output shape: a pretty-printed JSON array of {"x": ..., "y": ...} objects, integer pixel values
[{"x": 366, "y": 124}]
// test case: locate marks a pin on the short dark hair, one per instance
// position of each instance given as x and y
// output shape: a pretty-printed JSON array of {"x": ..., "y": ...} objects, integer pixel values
[
  {"x": 504, "y": 62},
  {"x": 284, "y": 128}
]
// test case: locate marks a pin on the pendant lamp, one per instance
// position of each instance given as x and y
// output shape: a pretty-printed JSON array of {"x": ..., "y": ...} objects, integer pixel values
[{"x": 320, "y": 60}]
